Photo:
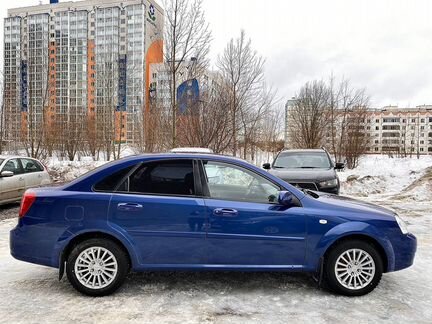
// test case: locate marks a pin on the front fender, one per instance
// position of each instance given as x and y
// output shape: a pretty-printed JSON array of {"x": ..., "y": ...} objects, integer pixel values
[
  {"x": 92, "y": 227},
  {"x": 347, "y": 229}
]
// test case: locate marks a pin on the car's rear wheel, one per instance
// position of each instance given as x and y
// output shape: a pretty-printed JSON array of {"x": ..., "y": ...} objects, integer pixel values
[
  {"x": 353, "y": 268},
  {"x": 97, "y": 267}
]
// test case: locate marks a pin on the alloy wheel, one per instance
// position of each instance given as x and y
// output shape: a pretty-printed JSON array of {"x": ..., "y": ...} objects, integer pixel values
[
  {"x": 355, "y": 269},
  {"x": 96, "y": 267}
]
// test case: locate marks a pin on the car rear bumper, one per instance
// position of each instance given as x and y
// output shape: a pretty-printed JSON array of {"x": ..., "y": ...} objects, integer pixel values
[{"x": 23, "y": 249}]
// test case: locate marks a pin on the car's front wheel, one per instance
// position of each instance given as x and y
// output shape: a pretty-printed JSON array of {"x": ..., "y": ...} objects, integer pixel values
[
  {"x": 353, "y": 268},
  {"x": 97, "y": 267}
]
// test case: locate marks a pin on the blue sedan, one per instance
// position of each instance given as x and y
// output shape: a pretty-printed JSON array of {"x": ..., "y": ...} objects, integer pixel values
[{"x": 204, "y": 212}]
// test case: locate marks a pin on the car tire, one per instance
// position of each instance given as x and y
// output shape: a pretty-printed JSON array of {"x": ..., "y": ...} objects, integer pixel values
[
  {"x": 97, "y": 267},
  {"x": 353, "y": 268}
]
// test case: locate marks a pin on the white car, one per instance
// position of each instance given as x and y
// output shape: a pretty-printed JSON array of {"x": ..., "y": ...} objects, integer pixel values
[{"x": 18, "y": 174}]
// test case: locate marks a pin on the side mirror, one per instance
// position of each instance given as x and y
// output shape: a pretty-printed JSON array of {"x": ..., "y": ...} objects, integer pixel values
[
  {"x": 6, "y": 174},
  {"x": 266, "y": 166},
  {"x": 285, "y": 198},
  {"x": 339, "y": 166}
]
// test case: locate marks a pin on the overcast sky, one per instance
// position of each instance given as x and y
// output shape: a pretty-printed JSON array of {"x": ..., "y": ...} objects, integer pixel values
[{"x": 385, "y": 46}]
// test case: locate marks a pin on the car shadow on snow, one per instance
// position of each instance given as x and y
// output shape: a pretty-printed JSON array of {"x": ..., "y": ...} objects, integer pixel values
[
  {"x": 215, "y": 282},
  {"x": 210, "y": 282}
]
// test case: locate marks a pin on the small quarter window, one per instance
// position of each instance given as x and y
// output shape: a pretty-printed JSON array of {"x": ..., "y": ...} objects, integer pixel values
[{"x": 110, "y": 182}]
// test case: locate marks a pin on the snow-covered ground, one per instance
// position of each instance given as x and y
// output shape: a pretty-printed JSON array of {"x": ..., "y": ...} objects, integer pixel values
[
  {"x": 32, "y": 294},
  {"x": 381, "y": 175}
]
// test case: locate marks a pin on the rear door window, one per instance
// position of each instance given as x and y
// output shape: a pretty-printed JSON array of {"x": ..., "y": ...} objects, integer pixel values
[
  {"x": 163, "y": 177},
  {"x": 30, "y": 165}
]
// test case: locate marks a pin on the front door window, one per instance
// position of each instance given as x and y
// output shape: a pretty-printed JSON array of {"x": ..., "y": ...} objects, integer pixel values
[{"x": 229, "y": 182}]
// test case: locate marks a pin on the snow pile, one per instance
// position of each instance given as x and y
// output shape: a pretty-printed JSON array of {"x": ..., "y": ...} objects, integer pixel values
[
  {"x": 406, "y": 177},
  {"x": 420, "y": 189}
]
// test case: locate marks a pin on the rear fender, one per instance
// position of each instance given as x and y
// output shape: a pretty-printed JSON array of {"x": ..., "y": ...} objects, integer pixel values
[{"x": 58, "y": 258}]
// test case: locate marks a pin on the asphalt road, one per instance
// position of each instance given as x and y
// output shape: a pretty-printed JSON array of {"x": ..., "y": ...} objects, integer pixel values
[{"x": 9, "y": 211}]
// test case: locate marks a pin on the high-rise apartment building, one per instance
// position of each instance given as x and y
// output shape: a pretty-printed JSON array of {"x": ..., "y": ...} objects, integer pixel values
[{"x": 84, "y": 62}]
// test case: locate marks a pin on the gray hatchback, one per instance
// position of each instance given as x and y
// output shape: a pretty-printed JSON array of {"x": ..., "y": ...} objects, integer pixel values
[{"x": 307, "y": 168}]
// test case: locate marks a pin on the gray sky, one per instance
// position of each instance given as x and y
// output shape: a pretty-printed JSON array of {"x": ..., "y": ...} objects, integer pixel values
[{"x": 385, "y": 46}]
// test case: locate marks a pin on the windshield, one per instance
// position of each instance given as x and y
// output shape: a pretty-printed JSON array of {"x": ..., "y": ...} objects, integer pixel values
[{"x": 302, "y": 160}]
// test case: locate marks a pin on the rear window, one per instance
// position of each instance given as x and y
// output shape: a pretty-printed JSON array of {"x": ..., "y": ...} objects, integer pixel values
[{"x": 110, "y": 182}]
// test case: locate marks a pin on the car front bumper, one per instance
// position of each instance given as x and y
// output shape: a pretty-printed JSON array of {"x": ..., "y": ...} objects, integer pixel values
[
  {"x": 334, "y": 190},
  {"x": 404, "y": 249}
]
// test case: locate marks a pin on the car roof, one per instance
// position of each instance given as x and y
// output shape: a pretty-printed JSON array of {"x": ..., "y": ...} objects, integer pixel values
[
  {"x": 188, "y": 155},
  {"x": 87, "y": 179},
  {"x": 5, "y": 157}
]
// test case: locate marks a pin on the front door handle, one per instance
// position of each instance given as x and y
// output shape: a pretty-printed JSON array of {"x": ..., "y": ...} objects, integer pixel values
[
  {"x": 225, "y": 212},
  {"x": 129, "y": 206}
]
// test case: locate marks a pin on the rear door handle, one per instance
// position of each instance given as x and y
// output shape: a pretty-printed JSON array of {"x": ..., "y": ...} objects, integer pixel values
[
  {"x": 129, "y": 206},
  {"x": 225, "y": 212}
]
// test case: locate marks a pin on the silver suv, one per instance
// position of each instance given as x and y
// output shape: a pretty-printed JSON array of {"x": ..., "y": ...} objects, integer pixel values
[{"x": 18, "y": 174}]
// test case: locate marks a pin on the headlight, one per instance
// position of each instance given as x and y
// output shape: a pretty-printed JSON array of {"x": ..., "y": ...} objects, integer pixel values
[
  {"x": 402, "y": 225},
  {"x": 328, "y": 183}
]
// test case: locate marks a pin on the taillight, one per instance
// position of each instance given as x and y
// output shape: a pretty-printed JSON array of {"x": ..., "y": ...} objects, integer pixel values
[{"x": 27, "y": 201}]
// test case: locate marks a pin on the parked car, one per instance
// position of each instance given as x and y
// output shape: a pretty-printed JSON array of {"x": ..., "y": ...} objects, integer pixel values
[
  {"x": 307, "y": 168},
  {"x": 18, "y": 174},
  {"x": 160, "y": 212}
]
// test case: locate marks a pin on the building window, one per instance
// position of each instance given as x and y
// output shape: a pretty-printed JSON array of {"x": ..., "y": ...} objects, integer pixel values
[
  {"x": 376, "y": 120},
  {"x": 376, "y": 127},
  {"x": 391, "y": 120}
]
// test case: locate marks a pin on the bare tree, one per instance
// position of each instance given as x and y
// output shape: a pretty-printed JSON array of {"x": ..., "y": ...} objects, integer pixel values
[
  {"x": 309, "y": 116},
  {"x": 252, "y": 118},
  {"x": 34, "y": 131},
  {"x": 243, "y": 69},
  {"x": 207, "y": 124},
  {"x": 272, "y": 132},
  {"x": 355, "y": 142},
  {"x": 187, "y": 35},
  {"x": 347, "y": 107}
]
